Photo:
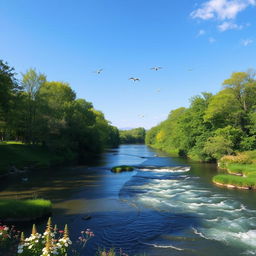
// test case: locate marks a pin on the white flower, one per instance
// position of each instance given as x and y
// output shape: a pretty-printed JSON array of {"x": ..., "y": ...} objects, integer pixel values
[
  {"x": 20, "y": 251},
  {"x": 30, "y": 246},
  {"x": 66, "y": 244},
  {"x": 6, "y": 228}
]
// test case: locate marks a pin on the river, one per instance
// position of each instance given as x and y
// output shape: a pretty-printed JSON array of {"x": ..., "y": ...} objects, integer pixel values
[{"x": 167, "y": 206}]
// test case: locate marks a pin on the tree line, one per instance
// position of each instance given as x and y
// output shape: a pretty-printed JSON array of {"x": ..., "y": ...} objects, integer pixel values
[
  {"x": 133, "y": 136},
  {"x": 213, "y": 125},
  {"x": 48, "y": 113}
]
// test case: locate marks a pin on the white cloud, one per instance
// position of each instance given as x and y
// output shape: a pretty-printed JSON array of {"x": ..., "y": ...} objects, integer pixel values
[
  {"x": 227, "y": 25},
  {"x": 246, "y": 42},
  {"x": 211, "y": 40},
  {"x": 201, "y": 32},
  {"x": 221, "y": 9}
]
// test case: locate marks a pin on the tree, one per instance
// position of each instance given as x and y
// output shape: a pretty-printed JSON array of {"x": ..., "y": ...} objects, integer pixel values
[
  {"x": 131, "y": 136},
  {"x": 8, "y": 90},
  {"x": 218, "y": 146},
  {"x": 243, "y": 87},
  {"x": 31, "y": 82}
]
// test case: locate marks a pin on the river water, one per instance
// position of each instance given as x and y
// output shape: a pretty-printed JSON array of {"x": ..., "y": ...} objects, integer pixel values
[{"x": 167, "y": 206}]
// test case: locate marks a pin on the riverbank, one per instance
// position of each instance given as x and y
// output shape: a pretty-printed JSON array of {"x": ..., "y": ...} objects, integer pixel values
[
  {"x": 241, "y": 171},
  {"x": 12, "y": 210},
  {"x": 17, "y": 157}
]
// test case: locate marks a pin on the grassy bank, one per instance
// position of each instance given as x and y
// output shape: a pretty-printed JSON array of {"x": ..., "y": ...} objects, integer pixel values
[
  {"x": 21, "y": 155},
  {"x": 241, "y": 171},
  {"x": 235, "y": 181},
  {"x": 24, "y": 209}
]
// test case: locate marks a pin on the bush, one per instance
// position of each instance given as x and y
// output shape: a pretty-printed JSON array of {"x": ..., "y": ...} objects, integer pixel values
[
  {"x": 240, "y": 158},
  {"x": 218, "y": 146}
]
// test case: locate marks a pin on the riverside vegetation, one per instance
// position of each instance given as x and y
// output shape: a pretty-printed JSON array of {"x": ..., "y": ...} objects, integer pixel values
[
  {"x": 133, "y": 136},
  {"x": 241, "y": 170},
  {"x": 52, "y": 124},
  {"x": 214, "y": 126}
]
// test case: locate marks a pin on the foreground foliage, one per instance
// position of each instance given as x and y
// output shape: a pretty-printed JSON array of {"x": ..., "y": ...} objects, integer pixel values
[
  {"x": 51, "y": 242},
  {"x": 213, "y": 125}
]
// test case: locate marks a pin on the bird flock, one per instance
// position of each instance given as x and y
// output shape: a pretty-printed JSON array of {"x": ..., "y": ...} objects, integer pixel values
[{"x": 134, "y": 79}]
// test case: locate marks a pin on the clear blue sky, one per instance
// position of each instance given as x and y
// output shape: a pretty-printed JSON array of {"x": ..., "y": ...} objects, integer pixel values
[{"x": 67, "y": 40}]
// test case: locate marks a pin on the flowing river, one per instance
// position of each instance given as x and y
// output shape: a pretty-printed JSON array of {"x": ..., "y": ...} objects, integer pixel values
[{"x": 168, "y": 206}]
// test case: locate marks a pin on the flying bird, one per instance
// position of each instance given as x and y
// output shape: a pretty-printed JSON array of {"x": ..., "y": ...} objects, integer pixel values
[
  {"x": 159, "y": 90},
  {"x": 190, "y": 69},
  {"x": 134, "y": 79},
  {"x": 98, "y": 71},
  {"x": 156, "y": 68}
]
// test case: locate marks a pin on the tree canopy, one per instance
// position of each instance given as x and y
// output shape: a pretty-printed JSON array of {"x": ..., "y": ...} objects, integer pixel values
[
  {"x": 213, "y": 125},
  {"x": 133, "y": 136},
  {"x": 37, "y": 111}
]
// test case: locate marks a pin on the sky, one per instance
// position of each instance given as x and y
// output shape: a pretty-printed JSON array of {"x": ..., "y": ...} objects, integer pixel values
[{"x": 198, "y": 44}]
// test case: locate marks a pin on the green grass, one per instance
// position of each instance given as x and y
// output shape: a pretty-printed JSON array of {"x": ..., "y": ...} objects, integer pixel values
[
  {"x": 21, "y": 155},
  {"x": 24, "y": 209},
  {"x": 122, "y": 168},
  {"x": 243, "y": 169},
  {"x": 237, "y": 181},
  {"x": 11, "y": 142},
  {"x": 243, "y": 164}
]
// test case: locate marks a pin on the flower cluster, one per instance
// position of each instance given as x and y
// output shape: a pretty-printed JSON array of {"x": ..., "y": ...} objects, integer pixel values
[
  {"x": 9, "y": 238},
  {"x": 51, "y": 242},
  {"x": 4, "y": 233},
  {"x": 8, "y": 233},
  {"x": 85, "y": 236}
]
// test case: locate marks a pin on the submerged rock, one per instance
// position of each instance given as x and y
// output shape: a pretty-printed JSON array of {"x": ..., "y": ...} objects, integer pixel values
[{"x": 86, "y": 217}]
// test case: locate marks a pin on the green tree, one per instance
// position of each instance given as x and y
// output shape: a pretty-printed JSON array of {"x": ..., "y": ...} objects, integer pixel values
[
  {"x": 136, "y": 135},
  {"x": 8, "y": 91},
  {"x": 31, "y": 82}
]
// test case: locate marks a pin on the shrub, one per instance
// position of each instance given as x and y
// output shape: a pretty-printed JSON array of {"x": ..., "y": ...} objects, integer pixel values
[
  {"x": 218, "y": 146},
  {"x": 240, "y": 158}
]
